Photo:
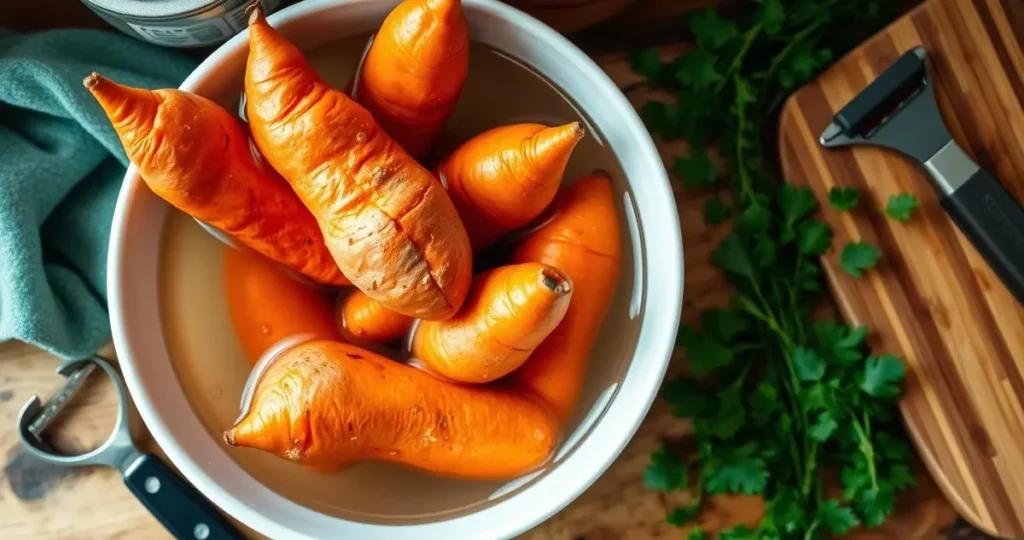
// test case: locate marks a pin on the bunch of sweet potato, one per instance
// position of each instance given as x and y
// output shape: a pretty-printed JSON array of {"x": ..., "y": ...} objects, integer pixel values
[{"x": 336, "y": 195}]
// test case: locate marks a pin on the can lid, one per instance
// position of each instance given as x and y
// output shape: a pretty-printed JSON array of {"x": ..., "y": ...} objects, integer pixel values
[{"x": 153, "y": 8}]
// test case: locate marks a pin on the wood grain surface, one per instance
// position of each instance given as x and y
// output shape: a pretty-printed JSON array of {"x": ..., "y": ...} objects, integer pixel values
[{"x": 932, "y": 298}]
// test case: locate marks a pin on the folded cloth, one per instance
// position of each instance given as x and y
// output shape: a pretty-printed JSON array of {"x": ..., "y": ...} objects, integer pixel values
[{"x": 61, "y": 166}]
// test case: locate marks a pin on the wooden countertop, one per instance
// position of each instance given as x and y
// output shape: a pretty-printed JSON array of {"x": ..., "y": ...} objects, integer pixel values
[{"x": 41, "y": 501}]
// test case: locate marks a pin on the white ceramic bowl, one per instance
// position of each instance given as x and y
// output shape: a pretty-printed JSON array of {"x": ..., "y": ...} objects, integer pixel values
[{"x": 616, "y": 406}]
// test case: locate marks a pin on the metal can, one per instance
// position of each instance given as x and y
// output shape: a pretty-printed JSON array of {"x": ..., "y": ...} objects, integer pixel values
[{"x": 178, "y": 23}]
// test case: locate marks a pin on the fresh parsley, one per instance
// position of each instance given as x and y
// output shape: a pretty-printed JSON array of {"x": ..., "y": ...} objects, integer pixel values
[
  {"x": 858, "y": 257},
  {"x": 843, "y": 199},
  {"x": 900, "y": 206},
  {"x": 716, "y": 211},
  {"x": 779, "y": 401}
]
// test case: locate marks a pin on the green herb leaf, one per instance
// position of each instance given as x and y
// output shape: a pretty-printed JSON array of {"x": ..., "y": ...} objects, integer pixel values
[
  {"x": 772, "y": 16},
  {"x": 765, "y": 251},
  {"x": 716, "y": 211},
  {"x": 814, "y": 396},
  {"x": 802, "y": 64},
  {"x": 723, "y": 324},
  {"x": 795, "y": 202},
  {"x": 874, "y": 505},
  {"x": 697, "y": 170},
  {"x": 823, "y": 427},
  {"x": 772, "y": 389},
  {"x": 706, "y": 354},
  {"x": 837, "y": 518},
  {"x": 739, "y": 532},
  {"x": 843, "y": 199},
  {"x": 660, "y": 118},
  {"x": 712, "y": 31},
  {"x": 900, "y": 206},
  {"x": 680, "y": 515},
  {"x": 756, "y": 217},
  {"x": 697, "y": 534},
  {"x": 730, "y": 415},
  {"x": 746, "y": 475},
  {"x": 744, "y": 92},
  {"x": 807, "y": 365},
  {"x": 857, "y": 257},
  {"x": 882, "y": 375},
  {"x": 901, "y": 476},
  {"x": 853, "y": 338},
  {"x": 732, "y": 257},
  {"x": 814, "y": 237},
  {"x": 685, "y": 396},
  {"x": 666, "y": 471},
  {"x": 697, "y": 70},
  {"x": 646, "y": 62}
]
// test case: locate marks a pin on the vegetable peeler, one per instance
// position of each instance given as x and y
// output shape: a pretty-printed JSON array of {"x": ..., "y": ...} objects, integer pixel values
[
  {"x": 176, "y": 504},
  {"x": 898, "y": 111}
]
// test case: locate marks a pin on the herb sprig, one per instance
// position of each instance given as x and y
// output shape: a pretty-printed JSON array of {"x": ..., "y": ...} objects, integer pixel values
[{"x": 776, "y": 397}]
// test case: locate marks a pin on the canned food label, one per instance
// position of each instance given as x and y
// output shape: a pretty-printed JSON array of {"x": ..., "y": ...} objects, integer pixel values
[{"x": 205, "y": 32}]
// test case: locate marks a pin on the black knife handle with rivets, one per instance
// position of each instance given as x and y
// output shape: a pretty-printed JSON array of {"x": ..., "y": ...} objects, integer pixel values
[{"x": 178, "y": 506}]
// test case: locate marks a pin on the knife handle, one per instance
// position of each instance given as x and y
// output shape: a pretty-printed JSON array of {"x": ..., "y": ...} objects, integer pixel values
[
  {"x": 176, "y": 504},
  {"x": 994, "y": 222}
]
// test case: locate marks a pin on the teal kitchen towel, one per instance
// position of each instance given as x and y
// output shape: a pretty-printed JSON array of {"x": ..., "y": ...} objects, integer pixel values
[{"x": 61, "y": 166}]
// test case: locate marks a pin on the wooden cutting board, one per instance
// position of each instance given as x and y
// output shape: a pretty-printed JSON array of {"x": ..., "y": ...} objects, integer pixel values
[{"x": 932, "y": 298}]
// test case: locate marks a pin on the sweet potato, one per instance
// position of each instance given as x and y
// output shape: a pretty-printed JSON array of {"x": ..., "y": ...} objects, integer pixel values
[
  {"x": 366, "y": 319},
  {"x": 268, "y": 306},
  {"x": 414, "y": 71},
  {"x": 582, "y": 240},
  {"x": 386, "y": 220},
  {"x": 327, "y": 404},
  {"x": 507, "y": 314},
  {"x": 505, "y": 177},
  {"x": 196, "y": 156}
]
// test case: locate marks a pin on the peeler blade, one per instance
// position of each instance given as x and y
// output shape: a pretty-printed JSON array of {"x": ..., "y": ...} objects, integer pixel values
[{"x": 896, "y": 111}]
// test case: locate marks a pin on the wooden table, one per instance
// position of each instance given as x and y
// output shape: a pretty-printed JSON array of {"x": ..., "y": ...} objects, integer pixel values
[{"x": 37, "y": 500}]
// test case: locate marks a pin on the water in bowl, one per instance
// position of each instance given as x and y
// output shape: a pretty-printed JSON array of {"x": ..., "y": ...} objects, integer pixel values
[{"x": 212, "y": 369}]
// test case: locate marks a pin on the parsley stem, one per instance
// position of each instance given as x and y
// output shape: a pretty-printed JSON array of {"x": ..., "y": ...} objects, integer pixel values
[
  {"x": 809, "y": 467},
  {"x": 809, "y": 534},
  {"x": 866, "y": 448},
  {"x": 748, "y": 39}
]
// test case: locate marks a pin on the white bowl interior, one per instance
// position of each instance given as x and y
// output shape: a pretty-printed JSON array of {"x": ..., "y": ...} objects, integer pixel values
[{"x": 619, "y": 388}]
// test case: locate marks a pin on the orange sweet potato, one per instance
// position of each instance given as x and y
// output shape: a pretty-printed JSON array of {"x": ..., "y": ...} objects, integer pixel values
[
  {"x": 583, "y": 241},
  {"x": 505, "y": 177},
  {"x": 507, "y": 314},
  {"x": 327, "y": 404},
  {"x": 366, "y": 319},
  {"x": 386, "y": 220},
  {"x": 414, "y": 71},
  {"x": 268, "y": 306},
  {"x": 196, "y": 156}
]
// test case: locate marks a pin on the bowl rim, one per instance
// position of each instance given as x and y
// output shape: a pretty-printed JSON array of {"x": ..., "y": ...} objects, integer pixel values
[{"x": 624, "y": 412}]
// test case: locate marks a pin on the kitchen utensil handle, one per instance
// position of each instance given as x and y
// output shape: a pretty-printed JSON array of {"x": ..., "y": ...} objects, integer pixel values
[
  {"x": 990, "y": 217},
  {"x": 176, "y": 504}
]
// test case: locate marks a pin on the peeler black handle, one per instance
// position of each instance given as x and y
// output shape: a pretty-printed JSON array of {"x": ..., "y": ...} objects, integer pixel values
[
  {"x": 994, "y": 222},
  {"x": 178, "y": 506}
]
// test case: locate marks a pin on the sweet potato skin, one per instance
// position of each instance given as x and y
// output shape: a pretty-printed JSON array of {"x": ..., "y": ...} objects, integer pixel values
[
  {"x": 582, "y": 240},
  {"x": 327, "y": 404},
  {"x": 268, "y": 306},
  {"x": 508, "y": 313},
  {"x": 366, "y": 319},
  {"x": 196, "y": 156},
  {"x": 387, "y": 221},
  {"x": 503, "y": 178},
  {"x": 415, "y": 69}
]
